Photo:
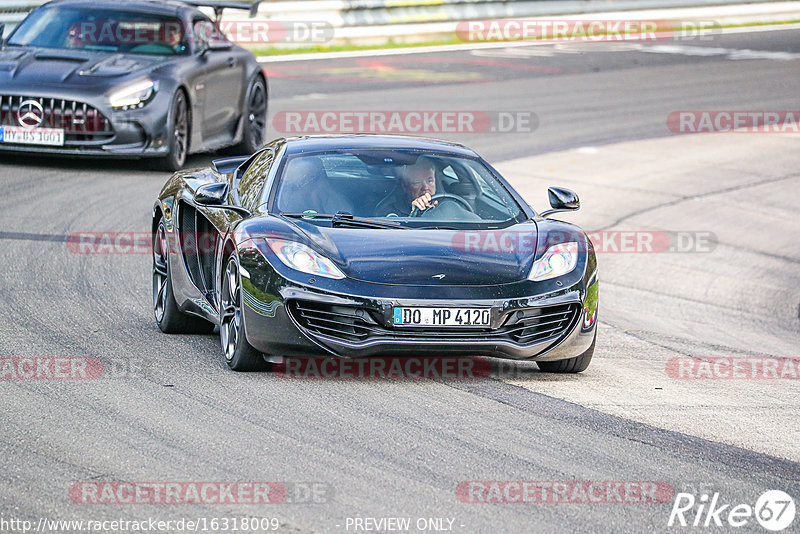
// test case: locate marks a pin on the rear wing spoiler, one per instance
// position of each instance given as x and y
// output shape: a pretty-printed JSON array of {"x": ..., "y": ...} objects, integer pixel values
[{"x": 219, "y": 7}]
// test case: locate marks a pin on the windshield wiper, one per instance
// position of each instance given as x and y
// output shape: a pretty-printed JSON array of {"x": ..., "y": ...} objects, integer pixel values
[{"x": 345, "y": 219}]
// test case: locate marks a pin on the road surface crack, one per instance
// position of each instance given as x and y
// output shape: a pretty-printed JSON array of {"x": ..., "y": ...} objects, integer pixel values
[{"x": 684, "y": 198}]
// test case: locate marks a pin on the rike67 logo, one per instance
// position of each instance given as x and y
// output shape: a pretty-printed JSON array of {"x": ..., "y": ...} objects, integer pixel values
[{"x": 774, "y": 510}]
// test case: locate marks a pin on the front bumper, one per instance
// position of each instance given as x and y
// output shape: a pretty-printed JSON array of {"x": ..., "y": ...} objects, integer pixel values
[
  {"x": 288, "y": 313},
  {"x": 128, "y": 134},
  {"x": 277, "y": 327}
]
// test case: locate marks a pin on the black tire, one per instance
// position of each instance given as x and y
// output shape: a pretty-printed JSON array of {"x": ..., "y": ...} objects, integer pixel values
[
  {"x": 178, "y": 135},
  {"x": 238, "y": 353},
  {"x": 254, "y": 129},
  {"x": 168, "y": 317},
  {"x": 572, "y": 365}
]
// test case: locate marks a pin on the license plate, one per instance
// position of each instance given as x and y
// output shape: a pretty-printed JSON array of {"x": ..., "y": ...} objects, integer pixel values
[
  {"x": 441, "y": 317},
  {"x": 36, "y": 136}
]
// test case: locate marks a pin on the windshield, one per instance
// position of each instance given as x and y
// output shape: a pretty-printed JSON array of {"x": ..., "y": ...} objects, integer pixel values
[
  {"x": 102, "y": 30},
  {"x": 457, "y": 192}
]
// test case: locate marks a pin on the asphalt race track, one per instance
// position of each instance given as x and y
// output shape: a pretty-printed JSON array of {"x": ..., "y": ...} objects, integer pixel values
[{"x": 166, "y": 408}]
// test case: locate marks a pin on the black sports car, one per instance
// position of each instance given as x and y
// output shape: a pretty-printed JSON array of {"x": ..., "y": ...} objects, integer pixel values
[
  {"x": 318, "y": 246},
  {"x": 131, "y": 78}
]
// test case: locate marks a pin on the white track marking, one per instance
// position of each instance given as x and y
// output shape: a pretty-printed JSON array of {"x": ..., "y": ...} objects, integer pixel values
[{"x": 475, "y": 46}]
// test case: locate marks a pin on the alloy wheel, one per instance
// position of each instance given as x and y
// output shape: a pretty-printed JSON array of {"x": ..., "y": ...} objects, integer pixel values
[
  {"x": 231, "y": 324},
  {"x": 257, "y": 113},
  {"x": 181, "y": 129},
  {"x": 160, "y": 273}
]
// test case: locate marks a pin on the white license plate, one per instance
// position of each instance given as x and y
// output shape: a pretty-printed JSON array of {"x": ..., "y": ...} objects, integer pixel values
[
  {"x": 441, "y": 316},
  {"x": 35, "y": 136}
]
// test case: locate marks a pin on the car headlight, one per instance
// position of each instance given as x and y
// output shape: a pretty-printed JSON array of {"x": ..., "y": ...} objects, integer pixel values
[
  {"x": 557, "y": 261},
  {"x": 135, "y": 95},
  {"x": 303, "y": 259}
]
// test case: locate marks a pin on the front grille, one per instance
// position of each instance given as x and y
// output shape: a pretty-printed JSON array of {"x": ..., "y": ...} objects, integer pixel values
[
  {"x": 355, "y": 324},
  {"x": 82, "y": 123}
]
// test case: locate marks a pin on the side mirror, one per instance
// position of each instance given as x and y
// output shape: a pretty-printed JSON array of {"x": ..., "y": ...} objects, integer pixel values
[
  {"x": 218, "y": 45},
  {"x": 561, "y": 200},
  {"x": 211, "y": 194}
]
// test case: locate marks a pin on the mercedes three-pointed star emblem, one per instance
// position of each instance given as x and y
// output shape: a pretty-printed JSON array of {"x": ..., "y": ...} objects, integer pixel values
[{"x": 30, "y": 114}]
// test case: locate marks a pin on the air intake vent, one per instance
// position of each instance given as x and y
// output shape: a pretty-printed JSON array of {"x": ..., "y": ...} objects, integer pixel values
[
  {"x": 342, "y": 322},
  {"x": 537, "y": 324}
]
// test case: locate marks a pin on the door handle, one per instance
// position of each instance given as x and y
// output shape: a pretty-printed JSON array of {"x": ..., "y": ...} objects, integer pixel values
[{"x": 231, "y": 62}]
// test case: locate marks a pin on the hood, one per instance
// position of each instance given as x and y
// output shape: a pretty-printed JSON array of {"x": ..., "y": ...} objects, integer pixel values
[
  {"x": 420, "y": 257},
  {"x": 40, "y": 66}
]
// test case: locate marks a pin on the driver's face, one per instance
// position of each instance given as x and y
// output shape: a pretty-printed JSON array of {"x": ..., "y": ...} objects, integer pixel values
[
  {"x": 173, "y": 35},
  {"x": 420, "y": 182}
]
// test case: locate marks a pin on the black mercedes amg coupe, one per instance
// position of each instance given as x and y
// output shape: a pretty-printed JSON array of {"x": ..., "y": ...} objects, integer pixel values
[
  {"x": 311, "y": 246},
  {"x": 130, "y": 78}
]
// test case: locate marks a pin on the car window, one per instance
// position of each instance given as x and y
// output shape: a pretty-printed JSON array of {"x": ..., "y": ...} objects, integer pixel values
[
  {"x": 488, "y": 188},
  {"x": 381, "y": 184},
  {"x": 102, "y": 30},
  {"x": 253, "y": 179}
]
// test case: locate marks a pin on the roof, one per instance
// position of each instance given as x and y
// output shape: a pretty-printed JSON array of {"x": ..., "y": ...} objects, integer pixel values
[
  {"x": 314, "y": 143},
  {"x": 164, "y": 6},
  {"x": 152, "y": 6}
]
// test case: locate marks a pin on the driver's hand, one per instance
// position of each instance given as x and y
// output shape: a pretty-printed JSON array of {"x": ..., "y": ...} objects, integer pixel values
[{"x": 424, "y": 202}]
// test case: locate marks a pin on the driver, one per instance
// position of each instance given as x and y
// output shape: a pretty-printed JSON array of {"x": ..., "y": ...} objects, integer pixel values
[{"x": 418, "y": 185}]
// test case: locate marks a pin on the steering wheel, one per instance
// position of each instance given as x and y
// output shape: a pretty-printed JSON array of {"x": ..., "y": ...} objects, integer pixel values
[{"x": 442, "y": 196}]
